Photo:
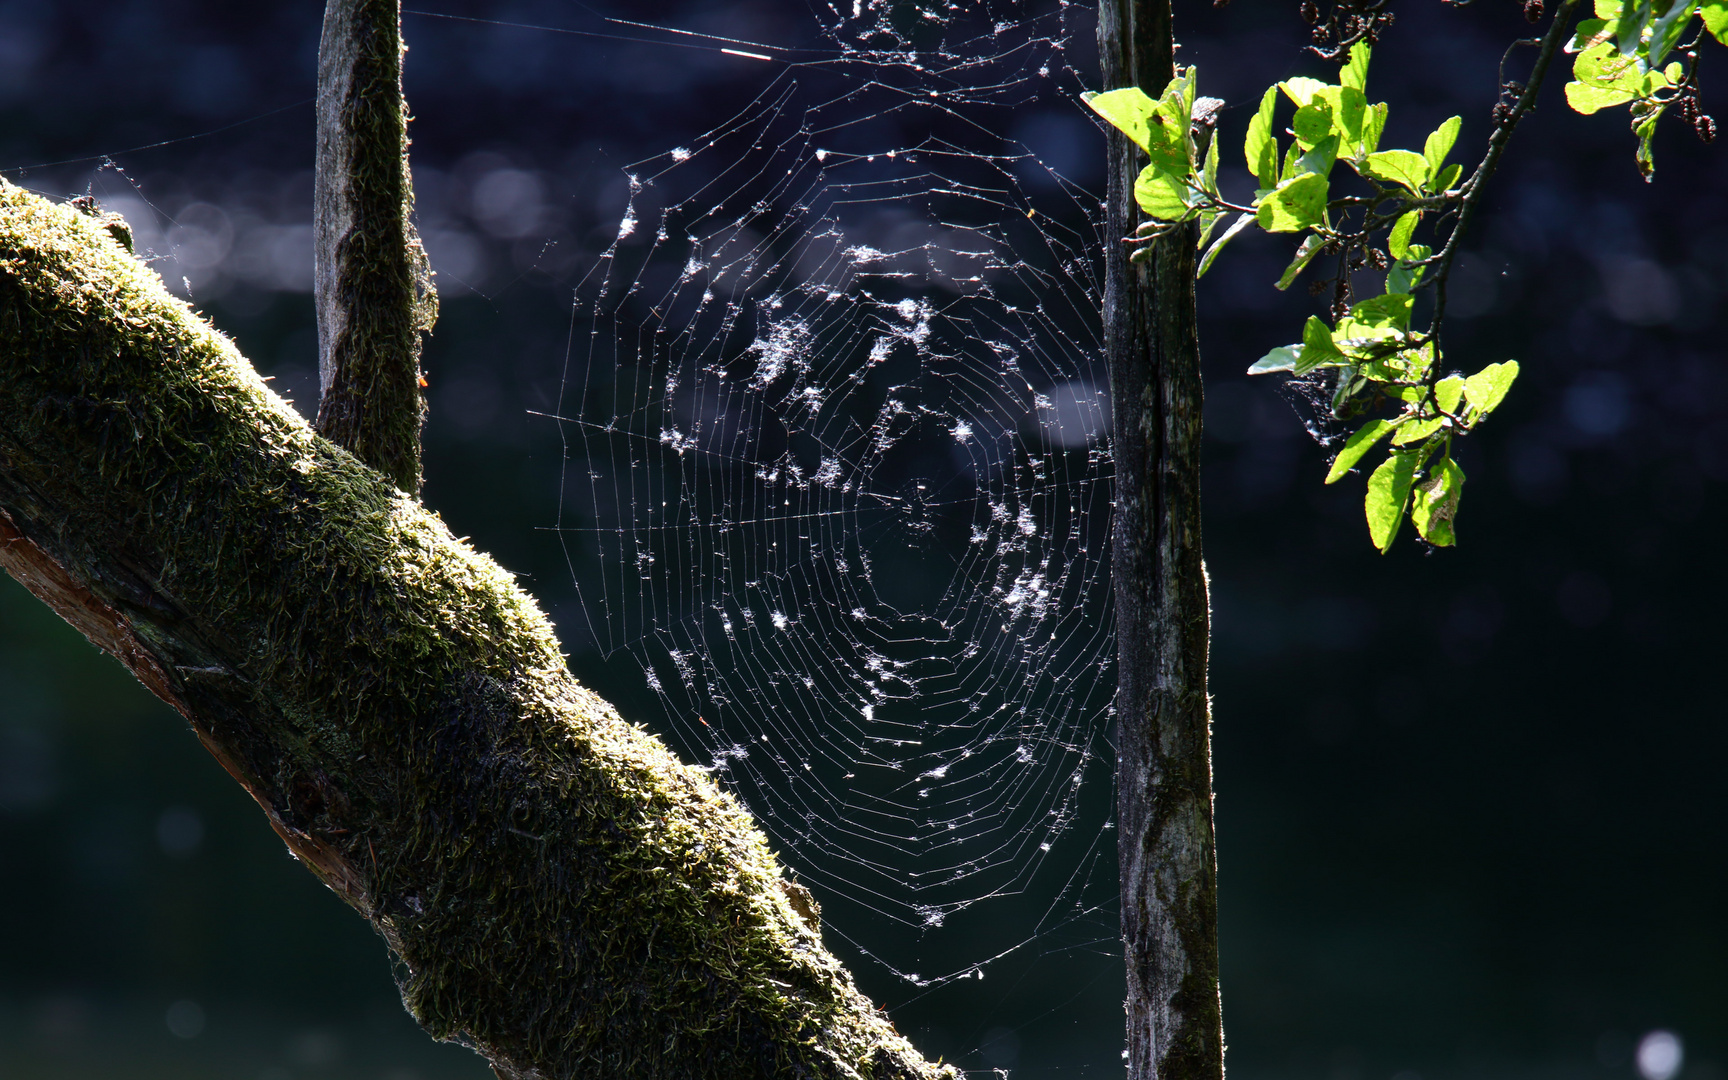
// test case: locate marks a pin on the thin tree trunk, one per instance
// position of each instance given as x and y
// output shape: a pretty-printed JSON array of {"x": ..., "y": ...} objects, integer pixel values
[
  {"x": 371, "y": 281},
  {"x": 1164, "y": 759},
  {"x": 562, "y": 894}
]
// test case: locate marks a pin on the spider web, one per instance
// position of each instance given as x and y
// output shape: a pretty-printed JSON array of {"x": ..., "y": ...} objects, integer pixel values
[{"x": 836, "y": 480}]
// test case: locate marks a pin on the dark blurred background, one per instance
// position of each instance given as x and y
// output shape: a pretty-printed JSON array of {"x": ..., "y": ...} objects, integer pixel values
[{"x": 1470, "y": 810}]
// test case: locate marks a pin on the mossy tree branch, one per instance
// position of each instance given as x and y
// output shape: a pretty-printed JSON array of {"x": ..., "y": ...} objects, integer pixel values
[
  {"x": 562, "y": 893},
  {"x": 371, "y": 280}
]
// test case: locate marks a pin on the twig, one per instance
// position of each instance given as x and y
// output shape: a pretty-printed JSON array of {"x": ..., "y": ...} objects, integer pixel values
[{"x": 1551, "y": 41}]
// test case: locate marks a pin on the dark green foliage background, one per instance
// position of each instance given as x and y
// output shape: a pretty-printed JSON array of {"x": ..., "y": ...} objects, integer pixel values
[{"x": 1470, "y": 806}]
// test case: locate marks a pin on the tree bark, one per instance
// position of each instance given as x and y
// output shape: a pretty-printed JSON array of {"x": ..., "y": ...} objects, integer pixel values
[
  {"x": 371, "y": 280},
  {"x": 562, "y": 893},
  {"x": 1165, "y": 839}
]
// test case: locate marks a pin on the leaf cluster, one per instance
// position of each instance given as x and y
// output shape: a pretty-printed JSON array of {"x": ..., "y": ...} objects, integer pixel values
[
  {"x": 1620, "y": 61},
  {"x": 1385, "y": 372},
  {"x": 1381, "y": 364}
]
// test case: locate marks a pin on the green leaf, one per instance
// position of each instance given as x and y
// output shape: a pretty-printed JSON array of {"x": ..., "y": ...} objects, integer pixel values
[
  {"x": 1208, "y": 221},
  {"x": 1161, "y": 195},
  {"x": 1242, "y": 222},
  {"x": 1129, "y": 110},
  {"x": 1373, "y": 126},
  {"x": 1317, "y": 347},
  {"x": 1312, "y": 122},
  {"x": 1405, "y": 275},
  {"x": 1349, "y": 113},
  {"x": 1310, "y": 247},
  {"x": 1416, "y": 430},
  {"x": 1715, "y": 16},
  {"x": 1209, "y": 174},
  {"x": 1158, "y": 127},
  {"x": 1175, "y": 151},
  {"x": 1488, "y": 387},
  {"x": 1435, "y": 505},
  {"x": 1294, "y": 205},
  {"x": 1170, "y": 148},
  {"x": 1588, "y": 99},
  {"x": 1448, "y": 392},
  {"x": 1404, "y": 167},
  {"x": 1629, "y": 27},
  {"x": 1292, "y": 162},
  {"x": 1603, "y": 78},
  {"x": 1301, "y": 89},
  {"x": 1645, "y": 116},
  {"x": 1440, "y": 144},
  {"x": 1398, "y": 244},
  {"x": 1388, "y": 493},
  {"x": 1356, "y": 446},
  {"x": 1590, "y": 32},
  {"x": 1665, "y": 32},
  {"x": 1321, "y": 158},
  {"x": 1180, "y": 92},
  {"x": 1448, "y": 178},
  {"x": 1349, "y": 384},
  {"x": 1390, "y": 311},
  {"x": 1355, "y": 73},
  {"x": 1283, "y": 358},
  {"x": 1261, "y": 148}
]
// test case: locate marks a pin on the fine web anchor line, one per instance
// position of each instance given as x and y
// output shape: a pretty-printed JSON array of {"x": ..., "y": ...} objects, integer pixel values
[
  {"x": 158, "y": 145},
  {"x": 703, "y": 45}
]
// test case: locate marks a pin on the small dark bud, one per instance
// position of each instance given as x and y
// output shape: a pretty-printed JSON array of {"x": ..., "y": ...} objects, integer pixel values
[
  {"x": 1689, "y": 109},
  {"x": 1706, "y": 128},
  {"x": 1310, "y": 12},
  {"x": 1315, "y": 288},
  {"x": 1533, "y": 11}
]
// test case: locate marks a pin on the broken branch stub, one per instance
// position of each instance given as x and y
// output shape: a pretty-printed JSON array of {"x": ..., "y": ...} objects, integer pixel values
[{"x": 372, "y": 282}]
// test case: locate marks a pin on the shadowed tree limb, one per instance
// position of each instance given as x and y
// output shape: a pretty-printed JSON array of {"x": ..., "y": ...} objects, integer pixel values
[
  {"x": 371, "y": 280},
  {"x": 562, "y": 893},
  {"x": 1166, "y": 846}
]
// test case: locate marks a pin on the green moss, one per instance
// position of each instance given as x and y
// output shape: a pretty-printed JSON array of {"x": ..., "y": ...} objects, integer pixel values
[{"x": 562, "y": 892}]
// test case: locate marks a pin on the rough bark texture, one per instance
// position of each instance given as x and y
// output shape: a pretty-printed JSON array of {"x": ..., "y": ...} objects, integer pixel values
[
  {"x": 1164, "y": 764},
  {"x": 562, "y": 893},
  {"x": 371, "y": 281}
]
